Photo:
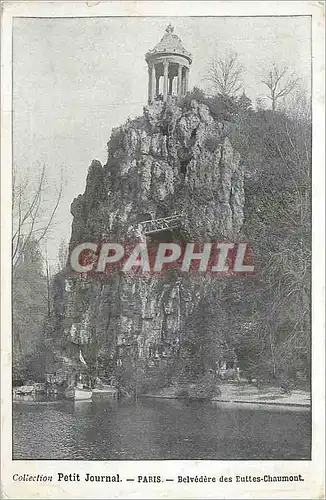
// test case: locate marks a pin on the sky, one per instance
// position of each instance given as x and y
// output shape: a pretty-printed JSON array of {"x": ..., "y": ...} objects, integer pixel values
[{"x": 76, "y": 79}]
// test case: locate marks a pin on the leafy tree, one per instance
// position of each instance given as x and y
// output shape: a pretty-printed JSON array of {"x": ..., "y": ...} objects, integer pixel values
[
  {"x": 244, "y": 103},
  {"x": 221, "y": 107},
  {"x": 205, "y": 342},
  {"x": 62, "y": 255},
  {"x": 29, "y": 313}
]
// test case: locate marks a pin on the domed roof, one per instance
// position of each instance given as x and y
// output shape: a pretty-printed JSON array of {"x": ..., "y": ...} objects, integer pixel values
[{"x": 170, "y": 44}]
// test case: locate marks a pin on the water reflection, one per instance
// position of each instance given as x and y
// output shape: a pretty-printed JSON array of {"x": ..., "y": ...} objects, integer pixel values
[{"x": 157, "y": 429}]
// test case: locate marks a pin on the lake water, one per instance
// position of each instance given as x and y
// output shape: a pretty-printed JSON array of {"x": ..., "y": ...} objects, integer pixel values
[{"x": 158, "y": 429}]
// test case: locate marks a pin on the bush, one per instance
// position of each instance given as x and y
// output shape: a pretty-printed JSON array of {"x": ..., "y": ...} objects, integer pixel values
[
  {"x": 116, "y": 140},
  {"x": 182, "y": 392},
  {"x": 142, "y": 378},
  {"x": 149, "y": 384},
  {"x": 222, "y": 108},
  {"x": 196, "y": 94},
  {"x": 204, "y": 388}
]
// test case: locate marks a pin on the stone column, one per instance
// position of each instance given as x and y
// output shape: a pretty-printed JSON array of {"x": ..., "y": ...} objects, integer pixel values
[
  {"x": 157, "y": 85},
  {"x": 179, "y": 80},
  {"x": 165, "y": 84},
  {"x": 186, "y": 79},
  {"x": 183, "y": 80},
  {"x": 153, "y": 83},
  {"x": 170, "y": 85},
  {"x": 149, "y": 84}
]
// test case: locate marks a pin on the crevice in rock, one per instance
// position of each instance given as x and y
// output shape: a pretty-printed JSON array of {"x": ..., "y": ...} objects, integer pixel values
[{"x": 184, "y": 167}]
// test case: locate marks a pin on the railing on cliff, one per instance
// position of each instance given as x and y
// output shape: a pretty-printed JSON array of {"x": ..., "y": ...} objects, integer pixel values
[{"x": 152, "y": 226}]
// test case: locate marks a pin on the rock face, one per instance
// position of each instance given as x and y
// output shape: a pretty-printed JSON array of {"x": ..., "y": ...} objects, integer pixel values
[{"x": 174, "y": 159}]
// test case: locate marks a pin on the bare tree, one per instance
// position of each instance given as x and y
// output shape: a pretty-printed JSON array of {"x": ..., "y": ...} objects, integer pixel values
[
  {"x": 298, "y": 105},
  {"x": 48, "y": 285},
  {"x": 225, "y": 74},
  {"x": 30, "y": 219},
  {"x": 280, "y": 83}
]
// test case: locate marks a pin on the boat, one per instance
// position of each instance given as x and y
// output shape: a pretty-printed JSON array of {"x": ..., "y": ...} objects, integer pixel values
[
  {"x": 24, "y": 390},
  {"x": 78, "y": 392}
]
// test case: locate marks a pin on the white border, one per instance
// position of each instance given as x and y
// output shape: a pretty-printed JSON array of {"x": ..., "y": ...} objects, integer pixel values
[{"x": 313, "y": 471}]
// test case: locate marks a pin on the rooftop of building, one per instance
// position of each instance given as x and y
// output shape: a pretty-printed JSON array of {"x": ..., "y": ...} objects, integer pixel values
[{"x": 170, "y": 44}]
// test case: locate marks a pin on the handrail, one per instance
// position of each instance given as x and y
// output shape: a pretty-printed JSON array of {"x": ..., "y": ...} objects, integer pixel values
[{"x": 157, "y": 225}]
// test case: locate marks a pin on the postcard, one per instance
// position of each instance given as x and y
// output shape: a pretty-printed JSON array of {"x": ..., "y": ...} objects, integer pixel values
[{"x": 162, "y": 249}]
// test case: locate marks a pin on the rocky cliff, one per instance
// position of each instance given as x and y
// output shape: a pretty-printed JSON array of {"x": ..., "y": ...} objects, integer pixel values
[{"x": 175, "y": 159}]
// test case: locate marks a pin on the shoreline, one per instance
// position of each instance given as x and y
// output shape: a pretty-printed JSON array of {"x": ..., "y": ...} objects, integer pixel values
[
  {"x": 229, "y": 393},
  {"x": 275, "y": 404},
  {"x": 233, "y": 401},
  {"x": 246, "y": 394}
]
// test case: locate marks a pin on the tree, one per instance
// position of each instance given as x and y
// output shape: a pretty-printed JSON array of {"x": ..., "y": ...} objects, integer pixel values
[
  {"x": 298, "y": 105},
  {"x": 31, "y": 294},
  {"x": 205, "y": 342},
  {"x": 225, "y": 74},
  {"x": 29, "y": 313},
  {"x": 244, "y": 103},
  {"x": 62, "y": 255},
  {"x": 274, "y": 325},
  {"x": 221, "y": 107},
  {"x": 31, "y": 221},
  {"x": 280, "y": 83}
]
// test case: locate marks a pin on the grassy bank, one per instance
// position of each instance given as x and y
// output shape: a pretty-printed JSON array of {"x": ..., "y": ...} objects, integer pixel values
[{"x": 243, "y": 393}]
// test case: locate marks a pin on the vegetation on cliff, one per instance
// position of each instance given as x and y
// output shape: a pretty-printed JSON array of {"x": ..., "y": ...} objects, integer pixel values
[
  {"x": 199, "y": 157},
  {"x": 269, "y": 313}
]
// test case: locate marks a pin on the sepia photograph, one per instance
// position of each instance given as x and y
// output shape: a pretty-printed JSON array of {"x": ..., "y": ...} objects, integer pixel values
[
  {"x": 161, "y": 244},
  {"x": 201, "y": 133}
]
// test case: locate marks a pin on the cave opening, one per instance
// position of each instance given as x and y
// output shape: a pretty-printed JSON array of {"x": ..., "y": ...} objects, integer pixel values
[
  {"x": 184, "y": 166},
  {"x": 143, "y": 217}
]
